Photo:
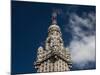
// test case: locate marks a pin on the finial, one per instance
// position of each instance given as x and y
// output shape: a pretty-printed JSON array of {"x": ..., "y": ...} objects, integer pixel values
[{"x": 54, "y": 17}]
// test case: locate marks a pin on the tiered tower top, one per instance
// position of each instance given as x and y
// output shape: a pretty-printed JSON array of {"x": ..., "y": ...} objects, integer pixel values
[{"x": 54, "y": 25}]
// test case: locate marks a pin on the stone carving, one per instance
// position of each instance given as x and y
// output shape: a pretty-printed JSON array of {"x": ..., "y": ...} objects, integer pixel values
[{"x": 54, "y": 56}]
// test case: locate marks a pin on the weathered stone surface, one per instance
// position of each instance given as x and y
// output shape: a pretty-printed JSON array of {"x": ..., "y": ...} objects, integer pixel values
[{"x": 53, "y": 57}]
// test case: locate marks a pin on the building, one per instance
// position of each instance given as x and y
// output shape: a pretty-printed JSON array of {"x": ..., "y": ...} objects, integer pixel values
[{"x": 54, "y": 57}]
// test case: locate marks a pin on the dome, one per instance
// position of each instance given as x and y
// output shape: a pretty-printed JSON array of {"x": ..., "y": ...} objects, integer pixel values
[
  {"x": 54, "y": 27},
  {"x": 40, "y": 48}
]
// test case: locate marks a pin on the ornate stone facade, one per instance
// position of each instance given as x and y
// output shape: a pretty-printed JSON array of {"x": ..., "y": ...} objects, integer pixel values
[{"x": 54, "y": 57}]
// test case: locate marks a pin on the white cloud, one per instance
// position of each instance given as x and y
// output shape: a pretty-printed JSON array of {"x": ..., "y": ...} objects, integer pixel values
[
  {"x": 83, "y": 50},
  {"x": 82, "y": 46}
]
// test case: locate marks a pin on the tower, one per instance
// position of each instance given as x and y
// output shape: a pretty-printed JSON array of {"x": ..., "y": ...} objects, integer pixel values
[{"x": 53, "y": 57}]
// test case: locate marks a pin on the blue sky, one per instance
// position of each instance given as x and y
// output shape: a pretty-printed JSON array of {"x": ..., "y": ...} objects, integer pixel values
[{"x": 30, "y": 22}]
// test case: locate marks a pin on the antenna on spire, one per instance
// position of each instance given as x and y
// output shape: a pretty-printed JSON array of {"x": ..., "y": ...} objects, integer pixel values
[{"x": 54, "y": 17}]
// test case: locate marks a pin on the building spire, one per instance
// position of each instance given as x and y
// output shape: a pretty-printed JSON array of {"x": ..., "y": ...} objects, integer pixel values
[{"x": 54, "y": 18}]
